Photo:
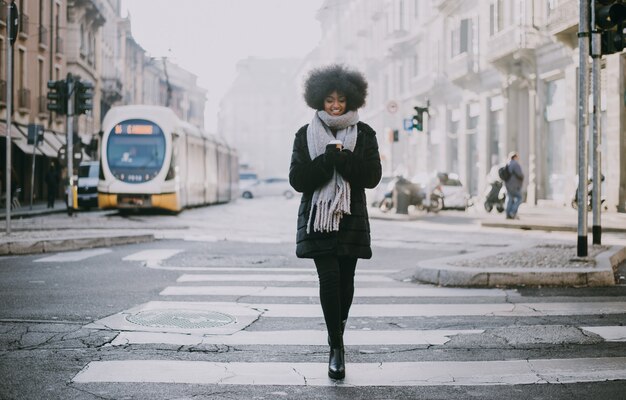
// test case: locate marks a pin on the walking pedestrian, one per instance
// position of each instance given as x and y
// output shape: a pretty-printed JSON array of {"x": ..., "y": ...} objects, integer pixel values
[
  {"x": 333, "y": 226},
  {"x": 514, "y": 186},
  {"x": 52, "y": 180}
]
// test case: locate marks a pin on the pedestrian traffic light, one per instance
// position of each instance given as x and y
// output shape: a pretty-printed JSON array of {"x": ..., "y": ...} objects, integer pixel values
[
  {"x": 84, "y": 96},
  {"x": 418, "y": 118},
  {"x": 57, "y": 97},
  {"x": 609, "y": 18}
]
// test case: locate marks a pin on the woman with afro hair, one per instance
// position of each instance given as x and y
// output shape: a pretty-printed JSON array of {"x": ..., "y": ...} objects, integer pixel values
[{"x": 335, "y": 157}]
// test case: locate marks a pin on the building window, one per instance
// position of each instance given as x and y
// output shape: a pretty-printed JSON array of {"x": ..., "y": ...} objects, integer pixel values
[
  {"x": 496, "y": 17},
  {"x": 415, "y": 65},
  {"x": 461, "y": 38}
]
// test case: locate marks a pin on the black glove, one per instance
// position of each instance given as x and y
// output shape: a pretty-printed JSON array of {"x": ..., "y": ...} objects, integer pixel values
[
  {"x": 342, "y": 159},
  {"x": 331, "y": 154}
]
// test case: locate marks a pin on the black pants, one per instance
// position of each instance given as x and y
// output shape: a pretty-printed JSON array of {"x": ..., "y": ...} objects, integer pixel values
[{"x": 336, "y": 276}]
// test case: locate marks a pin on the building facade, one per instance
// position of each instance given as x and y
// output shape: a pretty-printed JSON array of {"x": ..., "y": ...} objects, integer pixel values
[
  {"x": 497, "y": 76},
  {"x": 90, "y": 40},
  {"x": 256, "y": 114}
]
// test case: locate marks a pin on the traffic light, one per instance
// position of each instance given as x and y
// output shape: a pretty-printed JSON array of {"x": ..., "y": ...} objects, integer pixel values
[
  {"x": 609, "y": 18},
  {"x": 418, "y": 118},
  {"x": 57, "y": 97},
  {"x": 84, "y": 95}
]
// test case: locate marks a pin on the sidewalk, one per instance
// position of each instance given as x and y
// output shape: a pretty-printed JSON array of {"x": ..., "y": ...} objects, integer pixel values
[
  {"x": 31, "y": 241},
  {"x": 534, "y": 264}
]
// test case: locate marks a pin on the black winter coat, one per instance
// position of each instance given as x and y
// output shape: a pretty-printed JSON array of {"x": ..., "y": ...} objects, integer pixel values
[{"x": 362, "y": 170}]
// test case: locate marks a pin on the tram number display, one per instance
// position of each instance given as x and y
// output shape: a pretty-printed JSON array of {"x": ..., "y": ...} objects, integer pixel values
[{"x": 134, "y": 129}]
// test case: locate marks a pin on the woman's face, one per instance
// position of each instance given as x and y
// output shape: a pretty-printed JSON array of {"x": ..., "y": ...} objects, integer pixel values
[{"x": 335, "y": 104}]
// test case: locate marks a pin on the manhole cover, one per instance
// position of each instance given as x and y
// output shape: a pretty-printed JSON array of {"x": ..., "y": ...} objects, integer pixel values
[{"x": 180, "y": 319}]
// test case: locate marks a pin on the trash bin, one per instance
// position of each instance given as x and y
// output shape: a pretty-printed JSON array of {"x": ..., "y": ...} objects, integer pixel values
[{"x": 402, "y": 196}]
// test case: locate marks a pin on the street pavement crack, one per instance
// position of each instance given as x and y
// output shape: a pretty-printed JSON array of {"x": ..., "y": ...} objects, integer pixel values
[{"x": 303, "y": 377}]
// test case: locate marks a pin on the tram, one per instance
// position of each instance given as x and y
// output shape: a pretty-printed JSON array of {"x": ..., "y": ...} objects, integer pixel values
[{"x": 152, "y": 159}]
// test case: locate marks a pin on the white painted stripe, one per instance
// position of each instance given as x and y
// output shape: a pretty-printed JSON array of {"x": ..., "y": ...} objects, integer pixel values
[
  {"x": 608, "y": 333},
  {"x": 301, "y": 337},
  {"x": 272, "y": 278},
  {"x": 153, "y": 256},
  {"x": 429, "y": 373},
  {"x": 71, "y": 256},
  {"x": 401, "y": 310},
  {"x": 271, "y": 291},
  {"x": 266, "y": 269}
]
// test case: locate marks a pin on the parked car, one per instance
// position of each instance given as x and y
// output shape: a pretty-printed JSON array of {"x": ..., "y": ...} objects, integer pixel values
[
  {"x": 247, "y": 179},
  {"x": 88, "y": 172},
  {"x": 269, "y": 187},
  {"x": 454, "y": 194}
]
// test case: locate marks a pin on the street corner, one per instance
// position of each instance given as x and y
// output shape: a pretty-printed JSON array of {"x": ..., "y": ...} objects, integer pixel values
[
  {"x": 547, "y": 264},
  {"x": 179, "y": 318}
]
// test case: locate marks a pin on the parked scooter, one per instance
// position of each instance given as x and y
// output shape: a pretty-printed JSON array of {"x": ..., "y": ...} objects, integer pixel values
[
  {"x": 496, "y": 196},
  {"x": 415, "y": 193},
  {"x": 589, "y": 195}
]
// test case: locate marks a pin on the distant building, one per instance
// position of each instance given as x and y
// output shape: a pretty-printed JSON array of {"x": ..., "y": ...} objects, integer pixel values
[
  {"x": 498, "y": 75},
  {"x": 90, "y": 40},
  {"x": 256, "y": 114}
]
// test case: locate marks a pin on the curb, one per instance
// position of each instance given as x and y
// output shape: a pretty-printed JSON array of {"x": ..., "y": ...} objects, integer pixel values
[
  {"x": 439, "y": 272},
  {"x": 23, "y": 247},
  {"x": 545, "y": 227}
]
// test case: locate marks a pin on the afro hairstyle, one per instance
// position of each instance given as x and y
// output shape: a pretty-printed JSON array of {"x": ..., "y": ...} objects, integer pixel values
[{"x": 324, "y": 80}]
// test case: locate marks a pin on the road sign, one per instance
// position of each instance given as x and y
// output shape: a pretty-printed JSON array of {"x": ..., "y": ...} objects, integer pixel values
[
  {"x": 407, "y": 123},
  {"x": 392, "y": 107}
]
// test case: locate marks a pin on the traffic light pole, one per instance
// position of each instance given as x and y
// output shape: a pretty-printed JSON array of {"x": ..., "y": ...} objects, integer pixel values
[
  {"x": 583, "y": 70},
  {"x": 596, "y": 54},
  {"x": 8, "y": 195},
  {"x": 70, "y": 144}
]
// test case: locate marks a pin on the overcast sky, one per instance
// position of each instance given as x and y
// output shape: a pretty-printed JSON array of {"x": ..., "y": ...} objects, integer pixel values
[{"x": 208, "y": 37}]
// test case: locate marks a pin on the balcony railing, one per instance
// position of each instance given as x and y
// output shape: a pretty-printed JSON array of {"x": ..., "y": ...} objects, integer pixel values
[
  {"x": 23, "y": 22},
  {"x": 59, "y": 45},
  {"x": 43, "y": 35},
  {"x": 23, "y": 99},
  {"x": 3, "y": 92},
  {"x": 42, "y": 104},
  {"x": 564, "y": 17},
  {"x": 511, "y": 40},
  {"x": 461, "y": 67},
  {"x": 3, "y": 12}
]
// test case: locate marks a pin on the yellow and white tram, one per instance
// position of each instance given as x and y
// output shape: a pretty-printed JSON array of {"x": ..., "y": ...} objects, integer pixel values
[{"x": 152, "y": 159}]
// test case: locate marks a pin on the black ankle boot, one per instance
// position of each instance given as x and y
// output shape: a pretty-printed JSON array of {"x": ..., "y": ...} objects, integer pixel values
[
  {"x": 343, "y": 329},
  {"x": 337, "y": 363}
]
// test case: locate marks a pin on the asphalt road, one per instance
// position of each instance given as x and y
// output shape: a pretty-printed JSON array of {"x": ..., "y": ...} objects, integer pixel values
[{"x": 65, "y": 330}]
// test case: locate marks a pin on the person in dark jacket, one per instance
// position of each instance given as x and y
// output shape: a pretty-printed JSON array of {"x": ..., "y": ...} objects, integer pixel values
[
  {"x": 52, "y": 180},
  {"x": 514, "y": 186},
  {"x": 334, "y": 159}
]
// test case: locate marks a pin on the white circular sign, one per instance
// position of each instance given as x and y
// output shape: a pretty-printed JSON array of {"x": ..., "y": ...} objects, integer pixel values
[{"x": 392, "y": 107}]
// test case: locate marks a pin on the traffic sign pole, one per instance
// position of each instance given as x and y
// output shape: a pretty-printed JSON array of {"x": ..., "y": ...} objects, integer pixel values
[
  {"x": 11, "y": 12},
  {"x": 70, "y": 144}
]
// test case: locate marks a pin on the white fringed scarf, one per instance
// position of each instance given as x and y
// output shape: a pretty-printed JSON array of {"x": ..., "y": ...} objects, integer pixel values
[{"x": 331, "y": 201}]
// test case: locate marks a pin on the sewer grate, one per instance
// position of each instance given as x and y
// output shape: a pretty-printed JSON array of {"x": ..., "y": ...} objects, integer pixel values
[{"x": 188, "y": 319}]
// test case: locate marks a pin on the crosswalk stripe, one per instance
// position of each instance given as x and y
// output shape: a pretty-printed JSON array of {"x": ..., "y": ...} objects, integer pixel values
[
  {"x": 288, "y": 291},
  {"x": 264, "y": 269},
  {"x": 297, "y": 337},
  {"x": 608, "y": 333},
  {"x": 72, "y": 256},
  {"x": 428, "y": 373},
  {"x": 273, "y": 278},
  {"x": 398, "y": 310},
  {"x": 152, "y": 256}
]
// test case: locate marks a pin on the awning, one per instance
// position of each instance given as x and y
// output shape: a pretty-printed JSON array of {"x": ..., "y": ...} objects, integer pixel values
[
  {"x": 49, "y": 147},
  {"x": 44, "y": 148}
]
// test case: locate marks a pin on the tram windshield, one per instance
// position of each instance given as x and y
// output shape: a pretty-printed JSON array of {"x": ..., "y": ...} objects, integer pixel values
[{"x": 136, "y": 150}]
